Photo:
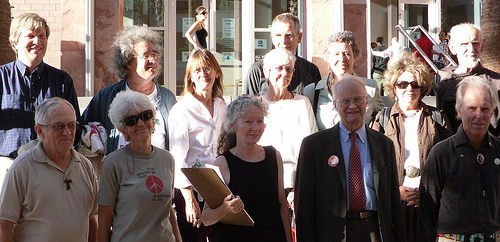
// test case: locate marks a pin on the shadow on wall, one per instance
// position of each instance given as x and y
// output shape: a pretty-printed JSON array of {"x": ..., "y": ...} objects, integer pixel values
[
  {"x": 8, "y": 54},
  {"x": 73, "y": 62}
]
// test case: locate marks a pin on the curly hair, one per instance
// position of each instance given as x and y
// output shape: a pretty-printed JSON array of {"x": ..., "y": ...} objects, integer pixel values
[
  {"x": 235, "y": 110},
  {"x": 412, "y": 64},
  {"x": 122, "y": 50},
  {"x": 203, "y": 57},
  {"x": 343, "y": 37}
]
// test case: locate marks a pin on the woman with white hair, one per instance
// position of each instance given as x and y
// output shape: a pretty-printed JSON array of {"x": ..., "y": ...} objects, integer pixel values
[
  {"x": 136, "y": 185},
  {"x": 254, "y": 173},
  {"x": 290, "y": 117}
]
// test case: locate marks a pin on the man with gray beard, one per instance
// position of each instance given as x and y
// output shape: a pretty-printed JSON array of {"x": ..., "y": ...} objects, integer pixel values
[{"x": 466, "y": 43}]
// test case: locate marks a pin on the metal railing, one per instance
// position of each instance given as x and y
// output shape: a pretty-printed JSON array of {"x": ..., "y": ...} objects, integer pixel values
[{"x": 403, "y": 31}]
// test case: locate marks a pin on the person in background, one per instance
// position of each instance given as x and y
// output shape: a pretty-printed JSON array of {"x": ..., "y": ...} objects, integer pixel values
[
  {"x": 290, "y": 116},
  {"x": 438, "y": 54},
  {"x": 466, "y": 43},
  {"x": 28, "y": 81},
  {"x": 286, "y": 34},
  {"x": 459, "y": 189},
  {"x": 253, "y": 172},
  {"x": 198, "y": 29},
  {"x": 50, "y": 192},
  {"x": 194, "y": 125},
  {"x": 414, "y": 128},
  {"x": 393, "y": 52},
  {"x": 135, "y": 58},
  {"x": 341, "y": 53},
  {"x": 379, "y": 65},
  {"x": 137, "y": 182},
  {"x": 346, "y": 187}
]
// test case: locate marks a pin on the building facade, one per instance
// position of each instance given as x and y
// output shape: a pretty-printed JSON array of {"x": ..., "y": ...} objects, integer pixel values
[{"x": 239, "y": 31}]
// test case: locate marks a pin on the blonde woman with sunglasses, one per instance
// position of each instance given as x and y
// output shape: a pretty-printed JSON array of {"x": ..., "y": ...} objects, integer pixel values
[{"x": 414, "y": 128}]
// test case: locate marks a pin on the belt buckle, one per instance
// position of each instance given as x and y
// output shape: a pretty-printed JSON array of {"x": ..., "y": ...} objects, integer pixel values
[
  {"x": 365, "y": 214},
  {"x": 412, "y": 171}
]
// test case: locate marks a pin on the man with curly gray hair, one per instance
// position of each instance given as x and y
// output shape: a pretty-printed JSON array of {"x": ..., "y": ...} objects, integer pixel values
[
  {"x": 136, "y": 59},
  {"x": 341, "y": 53}
]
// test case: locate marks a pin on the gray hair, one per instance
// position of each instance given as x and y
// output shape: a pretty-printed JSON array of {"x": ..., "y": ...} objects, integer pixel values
[
  {"x": 343, "y": 37},
  {"x": 458, "y": 29},
  {"x": 126, "y": 102},
  {"x": 235, "y": 110},
  {"x": 27, "y": 21},
  {"x": 277, "y": 56},
  {"x": 122, "y": 50},
  {"x": 478, "y": 82},
  {"x": 46, "y": 107},
  {"x": 289, "y": 18}
]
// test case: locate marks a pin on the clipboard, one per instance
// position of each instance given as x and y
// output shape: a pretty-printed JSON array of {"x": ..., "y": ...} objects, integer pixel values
[{"x": 214, "y": 190}]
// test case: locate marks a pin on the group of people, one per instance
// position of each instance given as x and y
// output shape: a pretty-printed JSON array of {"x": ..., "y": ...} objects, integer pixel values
[{"x": 321, "y": 153}]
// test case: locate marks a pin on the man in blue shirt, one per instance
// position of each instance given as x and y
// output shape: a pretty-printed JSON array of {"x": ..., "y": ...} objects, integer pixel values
[
  {"x": 346, "y": 185},
  {"x": 27, "y": 81}
]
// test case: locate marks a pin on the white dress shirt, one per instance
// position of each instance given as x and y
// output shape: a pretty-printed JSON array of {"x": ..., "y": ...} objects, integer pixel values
[
  {"x": 193, "y": 134},
  {"x": 287, "y": 123}
]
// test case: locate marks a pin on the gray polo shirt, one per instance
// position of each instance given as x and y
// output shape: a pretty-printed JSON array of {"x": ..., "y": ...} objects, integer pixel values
[{"x": 35, "y": 197}]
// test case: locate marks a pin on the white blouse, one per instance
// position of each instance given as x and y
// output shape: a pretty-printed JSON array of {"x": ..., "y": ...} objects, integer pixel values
[
  {"x": 288, "y": 122},
  {"x": 411, "y": 153},
  {"x": 193, "y": 134}
]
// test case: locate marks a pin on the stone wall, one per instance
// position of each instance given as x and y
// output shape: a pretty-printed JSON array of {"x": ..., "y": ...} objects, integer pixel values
[
  {"x": 490, "y": 28},
  {"x": 8, "y": 54}
]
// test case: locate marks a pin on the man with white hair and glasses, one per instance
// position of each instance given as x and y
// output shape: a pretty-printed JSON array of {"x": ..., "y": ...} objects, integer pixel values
[{"x": 50, "y": 191}]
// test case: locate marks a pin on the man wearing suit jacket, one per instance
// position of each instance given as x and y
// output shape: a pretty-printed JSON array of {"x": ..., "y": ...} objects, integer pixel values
[{"x": 345, "y": 192}]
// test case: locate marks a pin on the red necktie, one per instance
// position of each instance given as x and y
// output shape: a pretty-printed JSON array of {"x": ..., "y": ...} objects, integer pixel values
[{"x": 356, "y": 188}]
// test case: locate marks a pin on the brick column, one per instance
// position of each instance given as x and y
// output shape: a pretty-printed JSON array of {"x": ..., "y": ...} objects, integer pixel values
[
  {"x": 5, "y": 19},
  {"x": 490, "y": 26}
]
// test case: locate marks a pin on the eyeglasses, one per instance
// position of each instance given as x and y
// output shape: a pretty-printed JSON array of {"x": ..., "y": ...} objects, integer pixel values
[
  {"x": 60, "y": 126},
  {"x": 132, "y": 120},
  {"x": 287, "y": 68},
  {"x": 346, "y": 102},
  {"x": 203, "y": 13},
  {"x": 205, "y": 69},
  {"x": 149, "y": 56},
  {"x": 404, "y": 85}
]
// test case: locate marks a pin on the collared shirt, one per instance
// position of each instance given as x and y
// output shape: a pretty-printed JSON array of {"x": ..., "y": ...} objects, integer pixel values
[
  {"x": 305, "y": 73},
  {"x": 193, "y": 134},
  {"x": 366, "y": 163},
  {"x": 36, "y": 198},
  {"x": 457, "y": 193},
  {"x": 21, "y": 91}
]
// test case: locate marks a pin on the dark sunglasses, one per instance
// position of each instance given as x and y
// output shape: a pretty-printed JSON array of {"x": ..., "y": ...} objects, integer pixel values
[
  {"x": 132, "y": 120},
  {"x": 404, "y": 85}
]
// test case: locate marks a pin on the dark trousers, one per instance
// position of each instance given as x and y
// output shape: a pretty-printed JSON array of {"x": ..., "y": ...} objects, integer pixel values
[
  {"x": 188, "y": 232},
  {"x": 363, "y": 230}
]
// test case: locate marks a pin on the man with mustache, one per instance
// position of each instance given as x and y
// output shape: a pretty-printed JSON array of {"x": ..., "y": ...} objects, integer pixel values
[
  {"x": 136, "y": 59},
  {"x": 27, "y": 81},
  {"x": 466, "y": 43}
]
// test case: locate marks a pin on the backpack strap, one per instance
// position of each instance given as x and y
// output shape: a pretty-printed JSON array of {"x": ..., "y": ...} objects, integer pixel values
[
  {"x": 316, "y": 99},
  {"x": 385, "y": 116}
]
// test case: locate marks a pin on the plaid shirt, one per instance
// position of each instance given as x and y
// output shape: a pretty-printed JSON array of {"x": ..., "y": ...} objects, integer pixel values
[{"x": 21, "y": 91}]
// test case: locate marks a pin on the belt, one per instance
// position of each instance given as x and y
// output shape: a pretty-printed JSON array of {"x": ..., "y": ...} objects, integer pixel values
[
  {"x": 476, "y": 237},
  {"x": 412, "y": 171},
  {"x": 361, "y": 214}
]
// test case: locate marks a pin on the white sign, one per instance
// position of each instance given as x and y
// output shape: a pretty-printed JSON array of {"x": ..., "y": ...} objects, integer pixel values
[
  {"x": 186, "y": 24},
  {"x": 227, "y": 57},
  {"x": 228, "y": 28},
  {"x": 260, "y": 44}
]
